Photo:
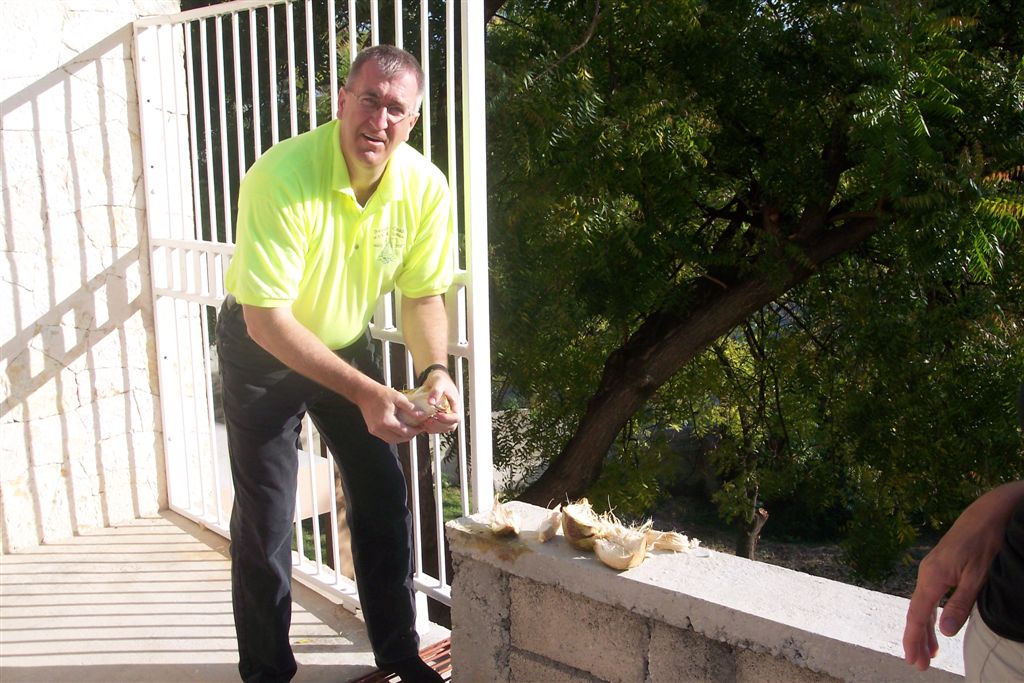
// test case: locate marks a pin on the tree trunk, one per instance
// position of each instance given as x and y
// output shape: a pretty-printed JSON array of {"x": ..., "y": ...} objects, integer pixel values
[
  {"x": 750, "y": 533},
  {"x": 666, "y": 341}
]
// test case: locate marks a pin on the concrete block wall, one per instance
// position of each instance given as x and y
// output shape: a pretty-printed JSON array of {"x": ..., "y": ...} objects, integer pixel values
[
  {"x": 523, "y": 611},
  {"x": 79, "y": 416}
]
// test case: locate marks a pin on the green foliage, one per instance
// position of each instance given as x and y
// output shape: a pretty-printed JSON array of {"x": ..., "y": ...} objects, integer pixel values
[
  {"x": 641, "y": 463},
  {"x": 653, "y": 145},
  {"x": 879, "y": 531}
]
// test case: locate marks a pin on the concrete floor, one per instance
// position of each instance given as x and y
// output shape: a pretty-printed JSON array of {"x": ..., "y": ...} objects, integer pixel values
[{"x": 150, "y": 601}]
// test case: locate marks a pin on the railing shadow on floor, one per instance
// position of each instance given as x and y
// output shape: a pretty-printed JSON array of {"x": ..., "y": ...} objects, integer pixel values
[{"x": 150, "y": 601}]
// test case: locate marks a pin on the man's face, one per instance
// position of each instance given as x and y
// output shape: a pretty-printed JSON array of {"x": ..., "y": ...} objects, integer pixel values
[{"x": 369, "y": 108}]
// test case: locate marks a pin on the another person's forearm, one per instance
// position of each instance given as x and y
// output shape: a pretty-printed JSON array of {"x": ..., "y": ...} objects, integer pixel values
[
  {"x": 960, "y": 560},
  {"x": 995, "y": 507}
]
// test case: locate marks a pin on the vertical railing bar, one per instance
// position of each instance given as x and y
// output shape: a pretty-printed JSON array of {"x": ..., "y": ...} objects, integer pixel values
[
  {"x": 299, "y": 541},
  {"x": 374, "y": 23},
  {"x": 197, "y": 215},
  {"x": 236, "y": 56},
  {"x": 212, "y": 274},
  {"x": 313, "y": 460},
  {"x": 162, "y": 108},
  {"x": 399, "y": 27},
  {"x": 257, "y": 105},
  {"x": 332, "y": 54},
  {"x": 197, "y": 270},
  {"x": 292, "y": 106},
  {"x": 169, "y": 266},
  {"x": 211, "y": 420},
  {"x": 335, "y": 540},
  {"x": 353, "y": 33},
  {"x": 180, "y": 414},
  {"x": 414, "y": 474},
  {"x": 225, "y": 162},
  {"x": 386, "y": 362},
  {"x": 435, "y": 448},
  {"x": 182, "y": 268},
  {"x": 275, "y": 133},
  {"x": 453, "y": 143},
  {"x": 204, "y": 61},
  {"x": 189, "y": 434},
  {"x": 474, "y": 147},
  {"x": 179, "y": 149},
  {"x": 390, "y": 320},
  {"x": 310, "y": 64},
  {"x": 144, "y": 40},
  {"x": 460, "y": 439},
  {"x": 425, "y": 124}
]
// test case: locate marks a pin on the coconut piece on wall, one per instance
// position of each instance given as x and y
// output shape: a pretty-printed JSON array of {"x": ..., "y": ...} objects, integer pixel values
[
  {"x": 622, "y": 547},
  {"x": 504, "y": 520},
  {"x": 549, "y": 526},
  {"x": 581, "y": 525},
  {"x": 671, "y": 540}
]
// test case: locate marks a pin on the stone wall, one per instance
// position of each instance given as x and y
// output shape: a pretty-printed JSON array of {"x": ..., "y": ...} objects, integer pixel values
[
  {"x": 525, "y": 611},
  {"x": 79, "y": 418}
]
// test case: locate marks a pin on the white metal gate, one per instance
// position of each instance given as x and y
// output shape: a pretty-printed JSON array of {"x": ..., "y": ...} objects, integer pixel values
[{"x": 217, "y": 86}]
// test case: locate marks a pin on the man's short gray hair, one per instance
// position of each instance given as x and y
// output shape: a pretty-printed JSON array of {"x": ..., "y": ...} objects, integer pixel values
[{"x": 392, "y": 61}]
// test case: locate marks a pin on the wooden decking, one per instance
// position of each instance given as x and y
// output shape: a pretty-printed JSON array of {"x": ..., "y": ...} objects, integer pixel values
[{"x": 150, "y": 601}]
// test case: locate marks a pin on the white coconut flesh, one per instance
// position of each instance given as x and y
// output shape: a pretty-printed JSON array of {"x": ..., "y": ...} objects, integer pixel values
[
  {"x": 549, "y": 526},
  {"x": 504, "y": 521},
  {"x": 671, "y": 540},
  {"x": 622, "y": 548}
]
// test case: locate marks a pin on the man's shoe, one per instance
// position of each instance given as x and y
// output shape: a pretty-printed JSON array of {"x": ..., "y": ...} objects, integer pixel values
[{"x": 415, "y": 670}]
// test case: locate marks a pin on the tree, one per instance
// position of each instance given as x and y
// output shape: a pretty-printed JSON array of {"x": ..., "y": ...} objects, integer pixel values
[{"x": 664, "y": 172}]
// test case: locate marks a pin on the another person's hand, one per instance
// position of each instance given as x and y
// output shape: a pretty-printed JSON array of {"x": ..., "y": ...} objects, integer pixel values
[{"x": 960, "y": 561}]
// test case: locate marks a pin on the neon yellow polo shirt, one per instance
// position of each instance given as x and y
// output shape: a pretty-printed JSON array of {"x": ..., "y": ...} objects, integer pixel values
[{"x": 302, "y": 239}]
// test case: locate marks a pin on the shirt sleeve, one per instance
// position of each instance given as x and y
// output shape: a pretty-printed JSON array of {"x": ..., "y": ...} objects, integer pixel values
[
  {"x": 270, "y": 245},
  {"x": 427, "y": 267}
]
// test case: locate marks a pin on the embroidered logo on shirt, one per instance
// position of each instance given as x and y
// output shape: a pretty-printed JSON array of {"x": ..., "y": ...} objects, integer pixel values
[{"x": 389, "y": 241}]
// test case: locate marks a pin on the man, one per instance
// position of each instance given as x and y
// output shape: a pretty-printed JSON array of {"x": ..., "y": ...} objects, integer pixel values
[
  {"x": 329, "y": 221},
  {"x": 981, "y": 557}
]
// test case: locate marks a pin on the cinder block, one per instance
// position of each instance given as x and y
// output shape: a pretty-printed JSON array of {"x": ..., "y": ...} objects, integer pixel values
[
  {"x": 604, "y": 640},
  {"x": 681, "y": 655},
  {"x": 480, "y": 618},
  {"x": 761, "y": 667},
  {"x": 531, "y": 668}
]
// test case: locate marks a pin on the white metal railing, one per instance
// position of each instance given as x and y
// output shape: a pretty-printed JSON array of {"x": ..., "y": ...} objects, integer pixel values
[{"x": 204, "y": 120}]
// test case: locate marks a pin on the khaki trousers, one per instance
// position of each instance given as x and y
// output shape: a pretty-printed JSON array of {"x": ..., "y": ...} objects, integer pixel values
[{"x": 990, "y": 658}]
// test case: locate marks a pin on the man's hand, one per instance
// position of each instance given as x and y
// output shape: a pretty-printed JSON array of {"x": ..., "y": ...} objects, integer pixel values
[
  {"x": 961, "y": 561},
  {"x": 383, "y": 409},
  {"x": 441, "y": 386}
]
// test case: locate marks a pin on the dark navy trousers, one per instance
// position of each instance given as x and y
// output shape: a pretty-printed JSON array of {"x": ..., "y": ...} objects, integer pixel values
[{"x": 264, "y": 402}]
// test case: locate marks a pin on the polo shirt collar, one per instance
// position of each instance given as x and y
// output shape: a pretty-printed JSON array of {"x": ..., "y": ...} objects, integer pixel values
[{"x": 389, "y": 187}]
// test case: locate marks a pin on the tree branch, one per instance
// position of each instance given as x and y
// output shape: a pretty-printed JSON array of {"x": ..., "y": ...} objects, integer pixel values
[{"x": 586, "y": 39}]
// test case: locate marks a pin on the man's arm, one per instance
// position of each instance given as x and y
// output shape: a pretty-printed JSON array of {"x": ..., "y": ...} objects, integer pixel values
[
  {"x": 425, "y": 328},
  {"x": 284, "y": 337},
  {"x": 960, "y": 560}
]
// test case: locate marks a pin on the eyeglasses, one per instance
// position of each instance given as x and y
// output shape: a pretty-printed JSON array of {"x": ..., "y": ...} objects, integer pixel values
[{"x": 371, "y": 104}]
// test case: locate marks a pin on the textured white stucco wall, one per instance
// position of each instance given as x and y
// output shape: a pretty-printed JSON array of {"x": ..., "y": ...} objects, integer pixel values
[{"x": 79, "y": 417}]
